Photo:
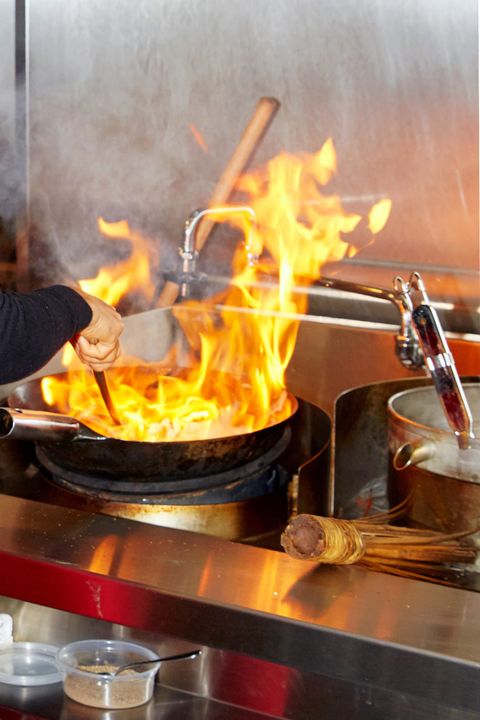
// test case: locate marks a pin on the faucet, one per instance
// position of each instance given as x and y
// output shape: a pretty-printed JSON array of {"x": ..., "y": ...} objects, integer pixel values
[
  {"x": 188, "y": 251},
  {"x": 406, "y": 343}
]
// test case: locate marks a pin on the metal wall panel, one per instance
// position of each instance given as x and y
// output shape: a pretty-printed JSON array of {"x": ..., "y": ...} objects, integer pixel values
[
  {"x": 7, "y": 70},
  {"x": 115, "y": 86},
  {"x": 8, "y": 171}
]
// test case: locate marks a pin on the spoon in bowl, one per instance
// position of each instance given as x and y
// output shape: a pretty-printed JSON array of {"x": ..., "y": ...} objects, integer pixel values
[{"x": 129, "y": 666}]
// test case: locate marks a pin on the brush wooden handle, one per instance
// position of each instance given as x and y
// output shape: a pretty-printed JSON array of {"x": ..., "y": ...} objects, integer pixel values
[{"x": 252, "y": 135}]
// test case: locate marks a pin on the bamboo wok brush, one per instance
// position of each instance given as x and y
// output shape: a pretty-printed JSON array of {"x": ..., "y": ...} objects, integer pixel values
[{"x": 374, "y": 544}]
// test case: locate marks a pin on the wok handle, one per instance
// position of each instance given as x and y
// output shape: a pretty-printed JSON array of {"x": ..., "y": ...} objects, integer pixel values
[{"x": 16, "y": 423}]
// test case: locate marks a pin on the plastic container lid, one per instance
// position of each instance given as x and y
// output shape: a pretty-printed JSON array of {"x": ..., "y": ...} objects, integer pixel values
[{"x": 29, "y": 663}]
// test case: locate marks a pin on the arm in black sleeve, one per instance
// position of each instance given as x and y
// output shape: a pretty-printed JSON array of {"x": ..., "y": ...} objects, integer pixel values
[{"x": 34, "y": 326}]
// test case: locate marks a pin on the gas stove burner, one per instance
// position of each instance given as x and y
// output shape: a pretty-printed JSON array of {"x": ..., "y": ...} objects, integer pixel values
[
  {"x": 249, "y": 503},
  {"x": 266, "y": 482},
  {"x": 258, "y": 471}
]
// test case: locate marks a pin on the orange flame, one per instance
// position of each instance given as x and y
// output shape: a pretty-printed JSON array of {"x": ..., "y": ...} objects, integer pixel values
[
  {"x": 114, "y": 281},
  {"x": 236, "y": 379}
]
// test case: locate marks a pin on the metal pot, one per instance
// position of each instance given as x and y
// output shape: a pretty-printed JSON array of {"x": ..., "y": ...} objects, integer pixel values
[
  {"x": 71, "y": 445},
  {"x": 426, "y": 464}
]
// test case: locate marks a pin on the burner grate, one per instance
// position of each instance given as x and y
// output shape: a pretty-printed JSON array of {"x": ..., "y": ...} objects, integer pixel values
[{"x": 260, "y": 476}]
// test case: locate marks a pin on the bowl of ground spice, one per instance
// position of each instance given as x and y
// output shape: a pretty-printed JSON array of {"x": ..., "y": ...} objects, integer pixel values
[{"x": 88, "y": 668}]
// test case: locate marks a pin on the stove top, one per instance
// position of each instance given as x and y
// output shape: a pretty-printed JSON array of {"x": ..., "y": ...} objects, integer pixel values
[{"x": 303, "y": 453}]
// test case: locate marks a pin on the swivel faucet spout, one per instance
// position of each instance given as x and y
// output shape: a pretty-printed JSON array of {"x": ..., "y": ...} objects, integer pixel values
[
  {"x": 406, "y": 344},
  {"x": 189, "y": 252}
]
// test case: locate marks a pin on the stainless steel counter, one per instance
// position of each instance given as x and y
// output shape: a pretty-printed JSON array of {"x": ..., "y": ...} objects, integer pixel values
[
  {"x": 334, "y": 701},
  {"x": 376, "y": 631}
]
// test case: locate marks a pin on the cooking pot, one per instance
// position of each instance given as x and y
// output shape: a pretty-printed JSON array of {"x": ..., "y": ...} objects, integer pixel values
[
  {"x": 72, "y": 446},
  {"x": 427, "y": 465}
]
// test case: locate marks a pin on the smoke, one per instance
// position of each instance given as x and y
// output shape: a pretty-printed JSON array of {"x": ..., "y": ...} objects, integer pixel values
[
  {"x": 114, "y": 88},
  {"x": 111, "y": 98},
  {"x": 101, "y": 155}
]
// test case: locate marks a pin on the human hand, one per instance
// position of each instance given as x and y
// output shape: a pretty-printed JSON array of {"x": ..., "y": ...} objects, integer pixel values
[{"x": 98, "y": 344}]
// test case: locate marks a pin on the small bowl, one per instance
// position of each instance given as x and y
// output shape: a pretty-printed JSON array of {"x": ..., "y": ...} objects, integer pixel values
[{"x": 81, "y": 664}]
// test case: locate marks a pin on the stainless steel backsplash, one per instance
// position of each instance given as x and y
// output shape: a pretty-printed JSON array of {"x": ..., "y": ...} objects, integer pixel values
[{"x": 114, "y": 89}]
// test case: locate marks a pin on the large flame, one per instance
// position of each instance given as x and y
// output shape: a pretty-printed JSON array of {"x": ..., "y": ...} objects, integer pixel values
[{"x": 235, "y": 381}]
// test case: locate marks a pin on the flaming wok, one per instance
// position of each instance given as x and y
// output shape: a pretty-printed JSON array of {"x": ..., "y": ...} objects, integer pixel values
[{"x": 74, "y": 446}]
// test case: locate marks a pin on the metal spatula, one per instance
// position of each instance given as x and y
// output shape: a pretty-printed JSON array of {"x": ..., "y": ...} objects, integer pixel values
[{"x": 101, "y": 380}]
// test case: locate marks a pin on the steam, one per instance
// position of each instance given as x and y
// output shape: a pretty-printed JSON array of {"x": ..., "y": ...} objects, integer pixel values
[
  {"x": 81, "y": 166},
  {"x": 11, "y": 179}
]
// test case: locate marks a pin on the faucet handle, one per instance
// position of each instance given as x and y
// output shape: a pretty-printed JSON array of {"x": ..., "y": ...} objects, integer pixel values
[{"x": 439, "y": 360}]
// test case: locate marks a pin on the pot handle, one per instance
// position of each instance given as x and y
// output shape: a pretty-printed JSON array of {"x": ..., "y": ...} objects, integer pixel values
[
  {"x": 410, "y": 454},
  {"x": 16, "y": 423}
]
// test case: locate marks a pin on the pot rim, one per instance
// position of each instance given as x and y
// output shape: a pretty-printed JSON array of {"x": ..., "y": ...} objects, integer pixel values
[{"x": 438, "y": 433}]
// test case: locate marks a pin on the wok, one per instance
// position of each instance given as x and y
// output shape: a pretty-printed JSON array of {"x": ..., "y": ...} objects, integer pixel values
[{"x": 74, "y": 447}]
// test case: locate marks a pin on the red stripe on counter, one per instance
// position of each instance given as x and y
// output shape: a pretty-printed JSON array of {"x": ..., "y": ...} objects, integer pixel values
[{"x": 9, "y": 714}]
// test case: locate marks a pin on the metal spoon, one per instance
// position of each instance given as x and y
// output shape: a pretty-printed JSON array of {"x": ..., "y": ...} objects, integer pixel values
[{"x": 121, "y": 668}]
